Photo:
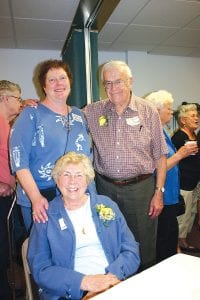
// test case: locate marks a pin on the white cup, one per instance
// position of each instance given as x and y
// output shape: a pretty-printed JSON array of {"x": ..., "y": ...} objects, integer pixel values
[{"x": 191, "y": 143}]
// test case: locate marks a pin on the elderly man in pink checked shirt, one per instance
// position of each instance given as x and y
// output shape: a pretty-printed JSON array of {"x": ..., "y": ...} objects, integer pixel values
[
  {"x": 10, "y": 104},
  {"x": 129, "y": 155},
  {"x": 10, "y": 107}
]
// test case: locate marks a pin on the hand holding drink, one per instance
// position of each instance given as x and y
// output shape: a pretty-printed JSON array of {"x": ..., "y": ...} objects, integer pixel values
[{"x": 192, "y": 147}]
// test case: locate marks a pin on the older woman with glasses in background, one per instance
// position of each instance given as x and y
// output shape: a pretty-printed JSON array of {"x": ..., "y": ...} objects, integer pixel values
[
  {"x": 187, "y": 118},
  {"x": 10, "y": 105}
]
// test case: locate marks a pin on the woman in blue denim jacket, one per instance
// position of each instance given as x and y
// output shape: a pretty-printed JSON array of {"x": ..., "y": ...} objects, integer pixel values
[{"x": 86, "y": 245}]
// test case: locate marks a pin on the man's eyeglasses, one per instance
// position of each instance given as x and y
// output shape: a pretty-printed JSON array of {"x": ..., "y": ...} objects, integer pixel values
[{"x": 117, "y": 83}]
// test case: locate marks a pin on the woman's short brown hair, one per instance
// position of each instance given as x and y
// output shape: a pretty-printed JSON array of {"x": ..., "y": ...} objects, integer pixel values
[{"x": 52, "y": 64}]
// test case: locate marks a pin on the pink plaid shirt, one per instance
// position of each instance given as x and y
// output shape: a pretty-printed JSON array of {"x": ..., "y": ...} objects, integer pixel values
[
  {"x": 5, "y": 173},
  {"x": 128, "y": 145}
]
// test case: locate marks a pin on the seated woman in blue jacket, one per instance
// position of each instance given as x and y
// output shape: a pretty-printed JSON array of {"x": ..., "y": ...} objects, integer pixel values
[{"x": 85, "y": 247}]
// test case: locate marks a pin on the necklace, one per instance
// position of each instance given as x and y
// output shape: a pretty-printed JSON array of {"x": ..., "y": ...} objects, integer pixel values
[
  {"x": 83, "y": 231},
  {"x": 85, "y": 218},
  {"x": 79, "y": 218},
  {"x": 68, "y": 128}
]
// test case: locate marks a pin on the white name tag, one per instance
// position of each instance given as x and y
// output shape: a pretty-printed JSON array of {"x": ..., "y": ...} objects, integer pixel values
[
  {"x": 62, "y": 224},
  {"x": 133, "y": 121}
]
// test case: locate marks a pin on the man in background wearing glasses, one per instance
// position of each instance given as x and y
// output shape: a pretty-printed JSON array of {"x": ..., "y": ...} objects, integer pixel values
[
  {"x": 10, "y": 105},
  {"x": 129, "y": 148}
]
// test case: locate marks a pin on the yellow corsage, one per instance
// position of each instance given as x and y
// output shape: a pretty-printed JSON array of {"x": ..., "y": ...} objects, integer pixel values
[
  {"x": 105, "y": 213},
  {"x": 103, "y": 121}
]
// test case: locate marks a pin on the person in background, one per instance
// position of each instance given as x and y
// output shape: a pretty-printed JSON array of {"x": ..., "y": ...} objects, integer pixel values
[
  {"x": 41, "y": 135},
  {"x": 198, "y": 206},
  {"x": 197, "y": 200},
  {"x": 167, "y": 232},
  {"x": 86, "y": 245},
  {"x": 197, "y": 189},
  {"x": 198, "y": 185},
  {"x": 10, "y": 104},
  {"x": 129, "y": 146},
  {"x": 187, "y": 118}
]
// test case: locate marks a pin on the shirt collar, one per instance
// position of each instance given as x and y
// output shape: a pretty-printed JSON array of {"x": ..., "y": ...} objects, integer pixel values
[
  {"x": 133, "y": 103},
  {"x": 109, "y": 106}
]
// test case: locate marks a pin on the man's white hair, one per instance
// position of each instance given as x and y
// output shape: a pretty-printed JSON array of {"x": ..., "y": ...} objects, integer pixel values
[{"x": 116, "y": 64}]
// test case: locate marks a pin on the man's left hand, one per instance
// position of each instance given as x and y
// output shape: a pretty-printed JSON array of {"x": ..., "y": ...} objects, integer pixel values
[{"x": 156, "y": 205}]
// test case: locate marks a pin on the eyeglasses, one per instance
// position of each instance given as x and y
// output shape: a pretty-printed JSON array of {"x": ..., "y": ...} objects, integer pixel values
[
  {"x": 117, "y": 83},
  {"x": 18, "y": 98}
]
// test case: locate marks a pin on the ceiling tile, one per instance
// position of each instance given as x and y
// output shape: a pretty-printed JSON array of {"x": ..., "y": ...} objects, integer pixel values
[
  {"x": 195, "y": 52},
  {"x": 6, "y": 30},
  {"x": 45, "y": 9},
  {"x": 104, "y": 46},
  {"x": 40, "y": 44},
  {"x": 195, "y": 24},
  {"x": 185, "y": 38},
  {"x": 5, "y": 10},
  {"x": 126, "y": 10},
  {"x": 168, "y": 13},
  {"x": 170, "y": 27},
  {"x": 161, "y": 50},
  {"x": 131, "y": 46},
  {"x": 7, "y": 43},
  {"x": 110, "y": 32},
  {"x": 53, "y": 30},
  {"x": 145, "y": 34}
]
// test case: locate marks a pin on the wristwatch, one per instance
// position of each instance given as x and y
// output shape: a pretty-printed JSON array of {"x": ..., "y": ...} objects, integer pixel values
[{"x": 161, "y": 189}]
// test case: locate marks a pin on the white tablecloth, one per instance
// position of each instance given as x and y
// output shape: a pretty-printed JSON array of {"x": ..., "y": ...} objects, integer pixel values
[{"x": 176, "y": 278}]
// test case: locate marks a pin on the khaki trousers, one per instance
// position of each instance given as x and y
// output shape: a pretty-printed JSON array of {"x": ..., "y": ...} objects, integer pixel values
[{"x": 186, "y": 220}]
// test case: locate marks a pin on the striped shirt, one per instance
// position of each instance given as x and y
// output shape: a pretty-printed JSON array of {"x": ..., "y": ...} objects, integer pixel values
[{"x": 128, "y": 145}]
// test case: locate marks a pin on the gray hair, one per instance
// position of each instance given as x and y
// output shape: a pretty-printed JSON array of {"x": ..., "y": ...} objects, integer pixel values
[
  {"x": 183, "y": 110},
  {"x": 73, "y": 158},
  {"x": 116, "y": 64},
  {"x": 160, "y": 98},
  {"x": 8, "y": 86}
]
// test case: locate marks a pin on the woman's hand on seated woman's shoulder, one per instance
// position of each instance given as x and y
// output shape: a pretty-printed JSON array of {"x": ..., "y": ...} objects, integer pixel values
[
  {"x": 39, "y": 208},
  {"x": 30, "y": 102}
]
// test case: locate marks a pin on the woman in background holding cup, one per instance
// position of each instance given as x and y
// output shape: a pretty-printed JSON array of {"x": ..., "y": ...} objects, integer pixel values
[{"x": 187, "y": 118}]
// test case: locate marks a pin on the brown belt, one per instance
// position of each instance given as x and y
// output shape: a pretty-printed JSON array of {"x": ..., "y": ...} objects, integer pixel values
[{"x": 127, "y": 181}]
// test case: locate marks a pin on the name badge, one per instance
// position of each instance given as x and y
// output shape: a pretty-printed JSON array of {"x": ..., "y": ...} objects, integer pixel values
[
  {"x": 133, "y": 121},
  {"x": 62, "y": 224}
]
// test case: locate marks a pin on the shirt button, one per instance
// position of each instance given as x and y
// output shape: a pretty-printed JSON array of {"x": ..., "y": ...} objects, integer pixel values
[
  {"x": 117, "y": 157},
  {"x": 117, "y": 143},
  {"x": 117, "y": 171}
]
